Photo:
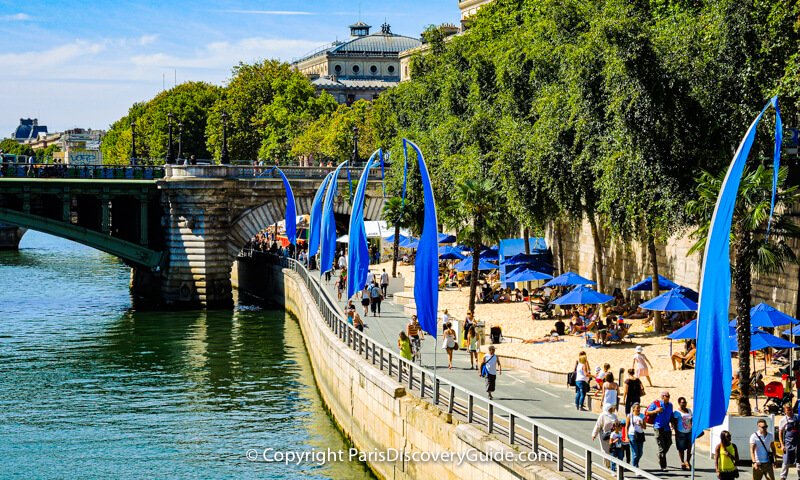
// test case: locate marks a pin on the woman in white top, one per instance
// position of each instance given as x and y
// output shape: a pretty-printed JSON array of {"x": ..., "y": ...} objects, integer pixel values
[
  {"x": 449, "y": 343},
  {"x": 636, "y": 427},
  {"x": 640, "y": 363},
  {"x": 610, "y": 391},
  {"x": 582, "y": 376},
  {"x": 603, "y": 427},
  {"x": 490, "y": 368}
]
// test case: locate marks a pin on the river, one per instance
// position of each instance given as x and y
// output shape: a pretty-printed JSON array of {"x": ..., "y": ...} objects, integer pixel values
[{"x": 91, "y": 389}]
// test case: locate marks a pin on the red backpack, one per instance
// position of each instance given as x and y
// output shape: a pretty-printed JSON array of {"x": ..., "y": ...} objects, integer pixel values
[{"x": 649, "y": 417}]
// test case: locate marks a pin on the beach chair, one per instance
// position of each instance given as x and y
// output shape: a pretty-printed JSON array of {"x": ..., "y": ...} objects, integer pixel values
[{"x": 590, "y": 340}]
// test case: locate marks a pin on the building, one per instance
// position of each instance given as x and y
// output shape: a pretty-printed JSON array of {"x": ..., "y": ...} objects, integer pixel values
[
  {"x": 80, "y": 146},
  {"x": 28, "y": 129},
  {"x": 468, "y": 8},
  {"x": 359, "y": 68}
]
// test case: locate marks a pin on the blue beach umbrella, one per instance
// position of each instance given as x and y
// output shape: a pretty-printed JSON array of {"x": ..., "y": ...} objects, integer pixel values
[
  {"x": 450, "y": 253},
  {"x": 521, "y": 259},
  {"x": 688, "y": 293},
  {"x": 466, "y": 265},
  {"x": 766, "y": 316},
  {"x": 583, "y": 295},
  {"x": 759, "y": 340},
  {"x": 689, "y": 332},
  {"x": 664, "y": 283},
  {"x": 670, "y": 301},
  {"x": 464, "y": 248},
  {"x": 409, "y": 242},
  {"x": 489, "y": 254},
  {"x": 390, "y": 238},
  {"x": 446, "y": 238},
  {"x": 568, "y": 279},
  {"x": 526, "y": 275}
]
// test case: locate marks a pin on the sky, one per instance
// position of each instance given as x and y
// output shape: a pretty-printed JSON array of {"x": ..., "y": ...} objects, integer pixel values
[{"x": 84, "y": 63}]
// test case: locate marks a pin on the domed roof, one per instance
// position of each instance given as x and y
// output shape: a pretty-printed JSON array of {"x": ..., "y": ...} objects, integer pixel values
[{"x": 377, "y": 43}]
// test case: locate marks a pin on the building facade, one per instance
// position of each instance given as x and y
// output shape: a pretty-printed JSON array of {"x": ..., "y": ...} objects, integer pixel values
[
  {"x": 80, "y": 146},
  {"x": 359, "y": 68},
  {"x": 28, "y": 130}
]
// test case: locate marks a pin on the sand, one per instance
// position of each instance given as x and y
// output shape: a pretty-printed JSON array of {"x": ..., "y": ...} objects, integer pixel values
[{"x": 517, "y": 324}]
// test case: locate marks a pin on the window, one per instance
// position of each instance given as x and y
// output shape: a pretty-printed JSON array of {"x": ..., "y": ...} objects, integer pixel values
[
  {"x": 338, "y": 69},
  {"x": 355, "y": 69},
  {"x": 391, "y": 69},
  {"x": 373, "y": 69}
]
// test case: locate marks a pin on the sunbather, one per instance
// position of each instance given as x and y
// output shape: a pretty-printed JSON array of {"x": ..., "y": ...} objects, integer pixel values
[{"x": 683, "y": 360}]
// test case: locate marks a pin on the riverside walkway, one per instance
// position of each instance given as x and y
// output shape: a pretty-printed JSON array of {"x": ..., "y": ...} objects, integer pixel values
[{"x": 550, "y": 405}]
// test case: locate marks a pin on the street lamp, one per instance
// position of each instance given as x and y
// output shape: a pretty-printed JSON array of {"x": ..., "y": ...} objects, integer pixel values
[
  {"x": 133, "y": 142},
  {"x": 180, "y": 140},
  {"x": 224, "y": 156},
  {"x": 170, "y": 116},
  {"x": 355, "y": 145}
]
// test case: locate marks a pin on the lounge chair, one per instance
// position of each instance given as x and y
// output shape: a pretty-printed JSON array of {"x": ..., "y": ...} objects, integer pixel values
[{"x": 686, "y": 361}]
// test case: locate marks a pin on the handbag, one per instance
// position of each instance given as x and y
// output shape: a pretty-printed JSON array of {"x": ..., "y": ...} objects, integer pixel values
[{"x": 571, "y": 379}]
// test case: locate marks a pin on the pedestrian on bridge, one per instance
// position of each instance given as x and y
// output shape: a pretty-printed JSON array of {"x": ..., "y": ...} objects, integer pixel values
[
  {"x": 582, "y": 375},
  {"x": 375, "y": 299},
  {"x": 490, "y": 368},
  {"x": 663, "y": 417}
]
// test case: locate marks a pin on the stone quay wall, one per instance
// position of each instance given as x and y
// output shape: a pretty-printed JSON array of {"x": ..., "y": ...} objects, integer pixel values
[
  {"x": 374, "y": 411},
  {"x": 627, "y": 263}
]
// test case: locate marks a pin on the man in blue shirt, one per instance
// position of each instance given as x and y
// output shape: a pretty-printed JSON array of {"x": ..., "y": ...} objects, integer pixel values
[{"x": 664, "y": 417}]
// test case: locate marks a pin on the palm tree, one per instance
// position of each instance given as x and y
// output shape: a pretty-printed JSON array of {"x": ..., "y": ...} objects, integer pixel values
[
  {"x": 753, "y": 250},
  {"x": 398, "y": 217},
  {"x": 479, "y": 215}
]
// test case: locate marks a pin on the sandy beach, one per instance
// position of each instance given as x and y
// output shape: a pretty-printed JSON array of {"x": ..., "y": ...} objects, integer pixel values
[{"x": 516, "y": 323}]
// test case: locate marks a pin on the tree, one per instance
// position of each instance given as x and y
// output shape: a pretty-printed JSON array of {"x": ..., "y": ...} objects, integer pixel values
[
  {"x": 9, "y": 145},
  {"x": 477, "y": 215},
  {"x": 753, "y": 251},
  {"x": 396, "y": 216}
]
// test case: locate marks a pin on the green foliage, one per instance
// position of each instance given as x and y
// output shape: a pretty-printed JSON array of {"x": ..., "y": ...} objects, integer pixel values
[
  {"x": 190, "y": 103},
  {"x": 330, "y": 137},
  {"x": 9, "y": 145}
]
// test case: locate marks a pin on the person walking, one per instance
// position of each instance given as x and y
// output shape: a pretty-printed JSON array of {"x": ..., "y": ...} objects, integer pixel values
[
  {"x": 358, "y": 322},
  {"x": 365, "y": 300},
  {"x": 640, "y": 363},
  {"x": 469, "y": 321},
  {"x": 603, "y": 428},
  {"x": 610, "y": 390},
  {"x": 415, "y": 335},
  {"x": 375, "y": 299},
  {"x": 339, "y": 288},
  {"x": 762, "y": 452},
  {"x": 472, "y": 343},
  {"x": 450, "y": 343},
  {"x": 404, "y": 344},
  {"x": 726, "y": 457},
  {"x": 683, "y": 433},
  {"x": 582, "y": 375},
  {"x": 615, "y": 444},
  {"x": 636, "y": 427},
  {"x": 789, "y": 436},
  {"x": 490, "y": 368},
  {"x": 384, "y": 283},
  {"x": 664, "y": 416},
  {"x": 634, "y": 390}
]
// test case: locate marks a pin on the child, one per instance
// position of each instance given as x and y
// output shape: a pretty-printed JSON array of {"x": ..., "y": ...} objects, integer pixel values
[{"x": 616, "y": 444}]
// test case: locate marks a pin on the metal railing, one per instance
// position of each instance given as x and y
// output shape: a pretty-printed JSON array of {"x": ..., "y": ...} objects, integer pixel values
[
  {"x": 105, "y": 172},
  {"x": 262, "y": 172},
  {"x": 508, "y": 425}
]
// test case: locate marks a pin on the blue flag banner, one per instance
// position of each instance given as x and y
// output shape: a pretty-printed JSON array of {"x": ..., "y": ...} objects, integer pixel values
[
  {"x": 328, "y": 242},
  {"x": 776, "y": 158},
  {"x": 712, "y": 389},
  {"x": 426, "y": 269},
  {"x": 405, "y": 174},
  {"x": 291, "y": 211},
  {"x": 383, "y": 173},
  {"x": 315, "y": 221},
  {"x": 358, "y": 251},
  {"x": 349, "y": 185}
]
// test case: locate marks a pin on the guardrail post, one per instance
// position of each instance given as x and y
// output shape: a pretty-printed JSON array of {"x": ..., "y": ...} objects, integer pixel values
[
  {"x": 620, "y": 472},
  {"x": 535, "y": 438},
  {"x": 451, "y": 402},
  {"x": 390, "y": 363},
  {"x": 560, "y": 453},
  {"x": 436, "y": 391},
  {"x": 470, "y": 408},
  {"x": 490, "y": 421},
  {"x": 410, "y": 376},
  {"x": 381, "y": 363},
  {"x": 587, "y": 474},
  {"x": 422, "y": 384},
  {"x": 512, "y": 421}
]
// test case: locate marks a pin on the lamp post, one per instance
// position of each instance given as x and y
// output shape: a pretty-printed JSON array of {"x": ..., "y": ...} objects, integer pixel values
[
  {"x": 224, "y": 156},
  {"x": 133, "y": 142},
  {"x": 170, "y": 116},
  {"x": 180, "y": 140},
  {"x": 355, "y": 145}
]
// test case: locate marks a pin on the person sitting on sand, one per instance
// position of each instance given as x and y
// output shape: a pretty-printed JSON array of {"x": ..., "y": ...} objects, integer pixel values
[
  {"x": 576, "y": 325},
  {"x": 552, "y": 338},
  {"x": 639, "y": 313},
  {"x": 683, "y": 360},
  {"x": 559, "y": 327}
]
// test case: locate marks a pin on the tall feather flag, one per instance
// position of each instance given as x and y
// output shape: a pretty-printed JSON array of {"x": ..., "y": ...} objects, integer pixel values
[
  {"x": 358, "y": 251},
  {"x": 291, "y": 212},
  {"x": 315, "y": 221},
  {"x": 328, "y": 244},
  {"x": 426, "y": 269},
  {"x": 712, "y": 389}
]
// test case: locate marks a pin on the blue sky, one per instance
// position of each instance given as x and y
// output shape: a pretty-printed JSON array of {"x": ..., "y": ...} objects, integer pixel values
[{"x": 83, "y": 63}]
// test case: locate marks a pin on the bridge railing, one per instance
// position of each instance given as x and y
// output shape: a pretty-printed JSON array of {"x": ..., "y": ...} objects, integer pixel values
[
  {"x": 264, "y": 172},
  {"x": 510, "y": 426},
  {"x": 104, "y": 172}
]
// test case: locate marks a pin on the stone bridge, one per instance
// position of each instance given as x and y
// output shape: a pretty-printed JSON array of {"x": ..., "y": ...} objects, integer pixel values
[{"x": 179, "y": 228}]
